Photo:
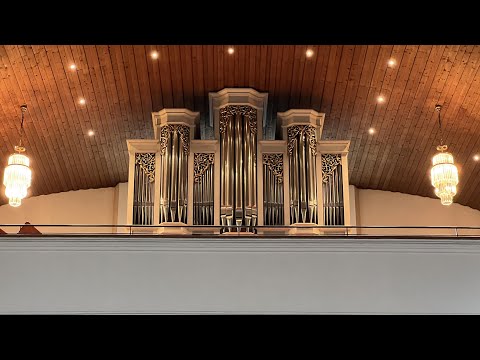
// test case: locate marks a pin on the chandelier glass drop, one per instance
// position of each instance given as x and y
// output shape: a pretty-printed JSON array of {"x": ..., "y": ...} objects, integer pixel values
[
  {"x": 18, "y": 176},
  {"x": 444, "y": 173}
]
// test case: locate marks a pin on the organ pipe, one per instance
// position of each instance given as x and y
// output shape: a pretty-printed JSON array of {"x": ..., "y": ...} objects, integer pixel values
[
  {"x": 238, "y": 148},
  {"x": 203, "y": 192},
  {"x": 174, "y": 149},
  {"x": 273, "y": 189},
  {"x": 332, "y": 187},
  {"x": 302, "y": 151},
  {"x": 143, "y": 189}
]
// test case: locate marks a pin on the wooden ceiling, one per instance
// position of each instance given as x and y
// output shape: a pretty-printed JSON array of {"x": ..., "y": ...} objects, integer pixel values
[{"x": 122, "y": 85}]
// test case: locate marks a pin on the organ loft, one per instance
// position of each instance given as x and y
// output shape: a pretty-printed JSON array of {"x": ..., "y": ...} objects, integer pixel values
[{"x": 241, "y": 175}]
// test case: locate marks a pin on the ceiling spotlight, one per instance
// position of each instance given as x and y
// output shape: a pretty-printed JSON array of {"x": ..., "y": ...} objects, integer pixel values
[
  {"x": 231, "y": 50},
  {"x": 154, "y": 54},
  {"x": 91, "y": 133},
  {"x": 391, "y": 62},
  {"x": 73, "y": 67},
  {"x": 380, "y": 99},
  {"x": 309, "y": 53},
  {"x": 81, "y": 101},
  {"x": 476, "y": 157},
  {"x": 371, "y": 131}
]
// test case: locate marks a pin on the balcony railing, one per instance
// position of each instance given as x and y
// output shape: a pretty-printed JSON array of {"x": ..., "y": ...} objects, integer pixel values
[{"x": 16, "y": 230}]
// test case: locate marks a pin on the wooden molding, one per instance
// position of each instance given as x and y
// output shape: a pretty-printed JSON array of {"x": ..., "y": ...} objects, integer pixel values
[
  {"x": 174, "y": 116},
  {"x": 333, "y": 146},
  {"x": 238, "y": 96},
  {"x": 142, "y": 146},
  {"x": 302, "y": 117}
]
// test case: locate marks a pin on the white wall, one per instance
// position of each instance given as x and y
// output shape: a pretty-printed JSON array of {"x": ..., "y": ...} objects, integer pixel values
[
  {"x": 375, "y": 207},
  {"x": 368, "y": 208},
  {"x": 120, "y": 204},
  {"x": 250, "y": 275},
  {"x": 239, "y": 276},
  {"x": 92, "y": 206}
]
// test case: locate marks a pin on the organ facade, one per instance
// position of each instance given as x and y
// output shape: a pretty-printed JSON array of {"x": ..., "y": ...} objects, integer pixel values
[{"x": 238, "y": 180}]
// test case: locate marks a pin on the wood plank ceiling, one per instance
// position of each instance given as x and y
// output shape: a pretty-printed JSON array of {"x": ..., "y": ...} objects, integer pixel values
[{"x": 122, "y": 85}]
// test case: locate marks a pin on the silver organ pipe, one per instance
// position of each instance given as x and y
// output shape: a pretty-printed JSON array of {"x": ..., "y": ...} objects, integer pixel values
[
  {"x": 302, "y": 178},
  {"x": 143, "y": 189},
  {"x": 302, "y": 156},
  {"x": 174, "y": 172},
  {"x": 244, "y": 176},
  {"x": 238, "y": 147},
  {"x": 252, "y": 156},
  {"x": 203, "y": 191},
  {"x": 266, "y": 195},
  {"x": 312, "y": 187},
  {"x": 239, "y": 174},
  {"x": 230, "y": 178},
  {"x": 273, "y": 189},
  {"x": 175, "y": 144},
  {"x": 294, "y": 186},
  {"x": 332, "y": 187}
]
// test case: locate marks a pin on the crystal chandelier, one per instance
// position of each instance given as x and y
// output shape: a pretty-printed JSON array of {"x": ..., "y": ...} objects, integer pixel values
[
  {"x": 444, "y": 173},
  {"x": 17, "y": 177}
]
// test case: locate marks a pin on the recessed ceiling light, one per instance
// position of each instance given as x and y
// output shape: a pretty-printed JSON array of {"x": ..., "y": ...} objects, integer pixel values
[
  {"x": 371, "y": 131},
  {"x": 154, "y": 54},
  {"x": 91, "y": 132},
  {"x": 73, "y": 67},
  {"x": 476, "y": 157},
  {"x": 81, "y": 101},
  {"x": 391, "y": 62},
  {"x": 309, "y": 53},
  {"x": 380, "y": 99},
  {"x": 231, "y": 50}
]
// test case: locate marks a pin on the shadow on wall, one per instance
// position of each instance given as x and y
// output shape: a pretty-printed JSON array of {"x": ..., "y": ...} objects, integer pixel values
[{"x": 26, "y": 229}]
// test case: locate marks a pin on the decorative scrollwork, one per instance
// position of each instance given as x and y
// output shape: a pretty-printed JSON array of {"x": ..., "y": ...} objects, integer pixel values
[
  {"x": 308, "y": 130},
  {"x": 201, "y": 162},
  {"x": 275, "y": 165},
  {"x": 183, "y": 131},
  {"x": 231, "y": 110},
  {"x": 146, "y": 161},
  {"x": 329, "y": 164}
]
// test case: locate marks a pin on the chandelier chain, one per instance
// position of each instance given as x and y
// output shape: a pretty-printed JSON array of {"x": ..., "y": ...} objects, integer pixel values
[
  {"x": 438, "y": 108},
  {"x": 22, "y": 129}
]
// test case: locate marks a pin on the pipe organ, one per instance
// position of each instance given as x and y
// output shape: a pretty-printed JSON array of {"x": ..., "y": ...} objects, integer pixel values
[{"x": 238, "y": 181}]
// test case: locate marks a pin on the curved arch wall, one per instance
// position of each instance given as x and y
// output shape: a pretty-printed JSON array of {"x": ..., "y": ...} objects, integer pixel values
[
  {"x": 386, "y": 208},
  {"x": 92, "y": 206}
]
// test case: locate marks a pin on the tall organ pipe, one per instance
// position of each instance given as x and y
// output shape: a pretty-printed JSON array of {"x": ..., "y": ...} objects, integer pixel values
[{"x": 239, "y": 175}]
